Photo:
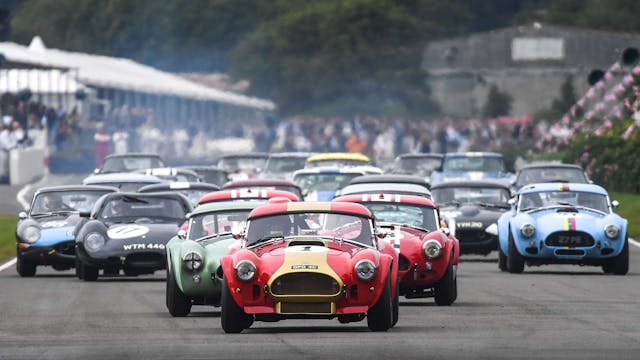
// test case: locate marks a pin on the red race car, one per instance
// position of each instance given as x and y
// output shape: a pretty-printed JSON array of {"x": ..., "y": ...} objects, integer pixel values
[
  {"x": 315, "y": 260},
  {"x": 428, "y": 255}
]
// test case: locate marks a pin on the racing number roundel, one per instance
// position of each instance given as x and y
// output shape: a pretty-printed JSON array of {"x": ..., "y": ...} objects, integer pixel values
[{"x": 127, "y": 231}]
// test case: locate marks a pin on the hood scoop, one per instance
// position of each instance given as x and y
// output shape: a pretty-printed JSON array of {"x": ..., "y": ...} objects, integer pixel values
[
  {"x": 306, "y": 242},
  {"x": 567, "y": 209}
]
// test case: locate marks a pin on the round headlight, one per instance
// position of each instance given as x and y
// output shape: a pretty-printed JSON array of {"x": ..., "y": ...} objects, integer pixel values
[
  {"x": 611, "y": 231},
  {"x": 527, "y": 230},
  {"x": 94, "y": 241},
  {"x": 365, "y": 269},
  {"x": 192, "y": 261},
  {"x": 31, "y": 234},
  {"x": 432, "y": 248},
  {"x": 245, "y": 270}
]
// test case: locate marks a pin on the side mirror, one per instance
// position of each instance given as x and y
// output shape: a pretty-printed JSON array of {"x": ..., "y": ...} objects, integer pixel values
[
  {"x": 445, "y": 230},
  {"x": 96, "y": 171},
  {"x": 187, "y": 216},
  {"x": 182, "y": 234},
  {"x": 512, "y": 202},
  {"x": 615, "y": 204},
  {"x": 22, "y": 215},
  {"x": 380, "y": 234},
  {"x": 237, "y": 234}
]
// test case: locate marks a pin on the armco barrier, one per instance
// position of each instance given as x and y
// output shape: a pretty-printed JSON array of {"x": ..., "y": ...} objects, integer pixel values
[{"x": 25, "y": 165}]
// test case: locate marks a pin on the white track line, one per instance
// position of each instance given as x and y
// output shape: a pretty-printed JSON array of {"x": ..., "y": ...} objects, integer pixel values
[
  {"x": 8, "y": 264},
  {"x": 20, "y": 196},
  {"x": 634, "y": 243}
]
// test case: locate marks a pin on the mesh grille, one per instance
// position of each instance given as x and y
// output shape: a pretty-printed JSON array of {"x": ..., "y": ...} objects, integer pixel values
[{"x": 305, "y": 283}]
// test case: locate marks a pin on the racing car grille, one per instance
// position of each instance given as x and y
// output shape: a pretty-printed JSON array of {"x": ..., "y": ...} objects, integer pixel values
[
  {"x": 66, "y": 248},
  {"x": 470, "y": 236},
  {"x": 305, "y": 283},
  {"x": 570, "y": 239},
  {"x": 306, "y": 308},
  {"x": 403, "y": 263},
  {"x": 145, "y": 260}
]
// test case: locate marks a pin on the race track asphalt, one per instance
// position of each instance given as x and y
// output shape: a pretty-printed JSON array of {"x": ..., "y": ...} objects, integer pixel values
[{"x": 551, "y": 312}]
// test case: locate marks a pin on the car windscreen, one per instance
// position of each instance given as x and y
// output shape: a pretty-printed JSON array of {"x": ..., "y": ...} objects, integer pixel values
[
  {"x": 242, "y": 163},
  {"x": 126, "y": 186},
  {"x": 536, "y": 175},
  {"x": 335, "y": 163},
  {"x": 400, "y": 188},
  {"x": 131, "y": 208},
  {"x": 284, "y": 164},
  {"x": 309, "y": 224},
  {"x": 473, "y": 163},
  {"x": 129, "y": 164},
  {"x": 207, "y": 224},
  {"x": 471, "y": 194},
  {"x": 400, "y": 213},
  {"x": 323, "y": 181},
  {"x": 81, "y": 201},
  {"x": 535, "y": 200},
  {"x": 416, "y": 165}
]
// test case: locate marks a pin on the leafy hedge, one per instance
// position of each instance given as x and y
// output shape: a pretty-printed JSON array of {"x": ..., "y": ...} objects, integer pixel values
[{"x": 611, "y": 158}]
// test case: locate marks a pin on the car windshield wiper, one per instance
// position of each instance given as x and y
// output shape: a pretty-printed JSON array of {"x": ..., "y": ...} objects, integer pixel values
[
  {"x": 51, "y": 213},
  {"x": 266, "y": 239},
  {"x": 492, "y": 205},
  {"x": 209, "y": 237}
]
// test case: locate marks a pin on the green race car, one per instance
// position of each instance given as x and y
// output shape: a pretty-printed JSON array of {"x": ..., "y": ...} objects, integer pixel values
[{"x": 194, "y": 276}]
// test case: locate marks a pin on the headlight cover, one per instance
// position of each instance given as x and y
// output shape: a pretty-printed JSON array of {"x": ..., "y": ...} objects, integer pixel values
[
  {"x": 245, "y": 270},
  {"x": 432, "y": 248},
  {"x": 365, "y": 269},
  {"x": 527, "y": 230},
  {"x": 611, "y": 231},
  {"x": 192, "y": 261},
  {"x": 94, "y": 241},
  {"x": 31, "y": 234}
]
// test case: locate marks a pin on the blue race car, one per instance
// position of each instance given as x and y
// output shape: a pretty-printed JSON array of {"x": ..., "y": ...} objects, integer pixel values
[
  {"x": 563, "y": 223},
  {"x": 45, "y": 234}
]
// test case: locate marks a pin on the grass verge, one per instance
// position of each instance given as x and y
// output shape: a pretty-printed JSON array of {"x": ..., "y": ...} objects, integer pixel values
[
  {"x": 7, "y": 237},
  {"x": 630, "y": 210}
]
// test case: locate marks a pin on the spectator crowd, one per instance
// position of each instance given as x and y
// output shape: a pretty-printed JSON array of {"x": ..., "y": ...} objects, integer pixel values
[{"x": 124, "y": 129}]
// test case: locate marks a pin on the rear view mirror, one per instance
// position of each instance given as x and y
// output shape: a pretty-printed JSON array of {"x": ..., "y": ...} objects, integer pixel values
[
  {"x": 22, "y": 215},
  {"x": 615, "y": 204},
  {"x": 182, "y": 234}
]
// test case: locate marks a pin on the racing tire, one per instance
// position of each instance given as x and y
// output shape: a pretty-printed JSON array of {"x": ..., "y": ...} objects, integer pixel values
[
  {"x": 446, "y": 290},
  {"x": 25, "y": 268},
  {"x": 380, "y": 315},
  {"x": 178, "y": 304},
  {"x": 232, "y": 318},
  {"x": 619, "y": 265},
  {"x": 502, "y": 260},
  {"x": 79, "y": 273},
  {"x": 515, "y": 261},
  {"x": 396, "y": 305},
  {"x": 89, "y": 273}
]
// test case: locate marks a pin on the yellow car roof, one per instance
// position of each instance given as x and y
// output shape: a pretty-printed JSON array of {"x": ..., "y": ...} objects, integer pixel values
[{"x": 339, "y": 156}]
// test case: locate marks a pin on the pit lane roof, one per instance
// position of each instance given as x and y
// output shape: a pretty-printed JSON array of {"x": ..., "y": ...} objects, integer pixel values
[{"x": 121, "y": 73}]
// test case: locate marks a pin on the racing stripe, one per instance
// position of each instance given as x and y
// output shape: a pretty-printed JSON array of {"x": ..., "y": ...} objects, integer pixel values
[
  {"x": 563, "y": 187},
  {"x": 302, "y": 206}
]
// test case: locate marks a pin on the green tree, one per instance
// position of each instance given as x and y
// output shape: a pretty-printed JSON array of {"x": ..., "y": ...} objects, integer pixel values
[{"x": 498, "y": 103}]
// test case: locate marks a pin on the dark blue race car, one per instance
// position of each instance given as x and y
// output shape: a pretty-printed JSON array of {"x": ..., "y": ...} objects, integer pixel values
[{"x": 45, "y": 235}]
